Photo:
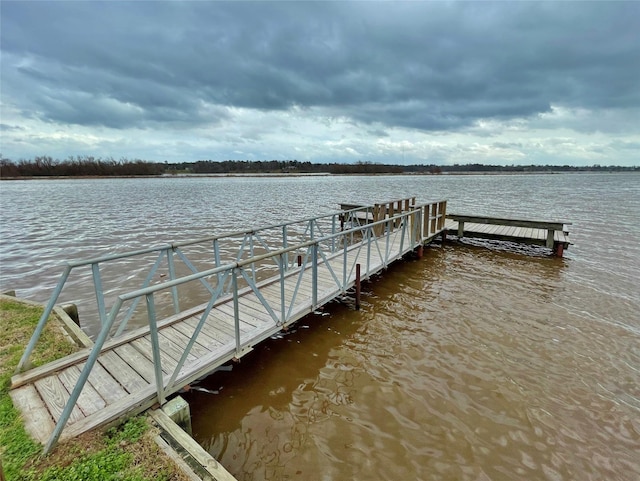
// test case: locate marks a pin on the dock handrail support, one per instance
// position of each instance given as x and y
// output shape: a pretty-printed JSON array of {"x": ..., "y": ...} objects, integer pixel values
[
  {"x": 414, "y": 226},
  {"x": 550, "y": 226}
]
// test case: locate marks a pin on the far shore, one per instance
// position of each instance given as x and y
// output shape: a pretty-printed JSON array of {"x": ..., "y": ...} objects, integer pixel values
[{"x": 299, "y": 174}]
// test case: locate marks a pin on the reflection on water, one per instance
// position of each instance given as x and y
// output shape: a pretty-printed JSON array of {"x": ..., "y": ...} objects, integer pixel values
[{"x": 476, "y": 362}]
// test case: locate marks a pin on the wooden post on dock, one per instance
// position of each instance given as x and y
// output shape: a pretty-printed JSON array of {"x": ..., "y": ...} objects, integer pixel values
[
  {"x": 358, "y": 287},
  {"x": 559, "y": 249},
  {"x": 299, "y": 260}
]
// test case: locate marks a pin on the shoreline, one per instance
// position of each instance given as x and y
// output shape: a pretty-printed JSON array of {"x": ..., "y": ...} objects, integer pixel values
[{"x": 310, "y": 174}]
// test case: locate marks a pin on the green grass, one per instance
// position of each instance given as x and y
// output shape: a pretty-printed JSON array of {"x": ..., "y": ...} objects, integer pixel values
[{"x": 125, "y": 453}]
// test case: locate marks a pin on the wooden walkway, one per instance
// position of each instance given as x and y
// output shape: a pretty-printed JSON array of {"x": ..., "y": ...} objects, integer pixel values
[
  {"x": 554, "y": 235},
  {"x": 123, "y": 374}
]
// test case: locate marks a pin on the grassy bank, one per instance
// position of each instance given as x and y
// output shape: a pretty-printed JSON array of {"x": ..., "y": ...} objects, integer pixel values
[{"x": 124, "y": 453}]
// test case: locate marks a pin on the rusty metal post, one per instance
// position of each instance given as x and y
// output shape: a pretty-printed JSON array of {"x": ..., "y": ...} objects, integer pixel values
[
  {"x": 420, "y": 250},
  {"x": 358, "y": 290},
  {"x": 559, "y": 249},
  {"x": 299, "y": 260}
]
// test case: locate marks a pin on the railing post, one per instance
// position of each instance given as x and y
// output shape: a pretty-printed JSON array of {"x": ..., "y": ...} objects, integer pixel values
[
  {"x": 155, "y": 347},
  {"x": 283, "y": 316},
  {"x": 236, "y": 309},
  {"x": 369, "y": 243},
  {"x": 386, "y": 248},
  {"x": 284, "y": 246},
  {"x": 172, "y": 276},
  {"x": 344, "y": 265},
  {"x": 425, "y": 220},
  {"x": 97, "y": 285},
  {"x": 434, "y": 217},
  {"x": 253, "y": 265},
  {"x": 550, "y": 238},
  {"x": 333, "y": 232},
  {"x": 442, "y": 209},
  {"x": 460, "y": 229},
  {"x": 84, "y": 375},
  {"x": 314, "y": 275},
  {"x": 43, "y": 320},
  {"x": 216, "y": 257}
]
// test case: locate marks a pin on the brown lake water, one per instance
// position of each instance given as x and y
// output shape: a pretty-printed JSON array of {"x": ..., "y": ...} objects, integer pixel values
[{"x": 477, "y": 362}]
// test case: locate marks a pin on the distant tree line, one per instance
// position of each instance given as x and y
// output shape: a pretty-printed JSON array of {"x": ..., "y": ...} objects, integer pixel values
[
  {"x": 46, "y": 166},
  {"x": 104, "y": 167}
]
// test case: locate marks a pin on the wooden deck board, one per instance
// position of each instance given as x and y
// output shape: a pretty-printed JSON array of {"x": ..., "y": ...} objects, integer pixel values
[
  {"x": 167, "y": 362},
  {"x": 89, "y": 400},
  {"x": 182, "y": 340},
  {"x": 55, "y": 396},
  {"x": 38, "y": 422},
  {"x": 215, "y": 336},
  {"x": 128, "y": 378},
  {"x": 134, "y": 358}
]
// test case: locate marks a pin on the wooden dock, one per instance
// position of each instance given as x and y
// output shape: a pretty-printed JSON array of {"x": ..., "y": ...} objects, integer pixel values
[
  {"x": 553, "y": 235},
  {"x": 125, "y": 373}
]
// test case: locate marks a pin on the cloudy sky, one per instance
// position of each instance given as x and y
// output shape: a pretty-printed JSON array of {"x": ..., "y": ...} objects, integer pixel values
[{"x": 393, "y": 82}]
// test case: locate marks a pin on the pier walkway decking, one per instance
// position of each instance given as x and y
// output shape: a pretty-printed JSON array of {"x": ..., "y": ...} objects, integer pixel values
[{"x": 261, "y": 281}]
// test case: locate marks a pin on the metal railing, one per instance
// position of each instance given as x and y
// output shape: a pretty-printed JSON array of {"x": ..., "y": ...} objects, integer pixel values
[{"x": 323, "y": 242}]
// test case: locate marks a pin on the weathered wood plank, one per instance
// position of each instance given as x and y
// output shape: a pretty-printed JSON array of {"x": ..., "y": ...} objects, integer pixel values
[
  {"x": 199, "y": 347},
  {"x": 171, "y": 348},
  {"x": 247, "y": 320},
  {"x": 253, "y": 307},
  {"x": 167, "y": 363},
  {"x": 82, "y": 355},
  {"x": 122, "y": 372},
  {"x": 139, "y": 363},
  {"x": 55, "y": 396},
  {"x": 187, "y": 330},
  {"x": 181, "y": 340},
  {"x": 103, "y": 382},
  {"x": 217, "y": 336},
  {"x": 89, "y": 401},
  {"x": 37, "y": 418},
  {"x": 214, "y": 468}
]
